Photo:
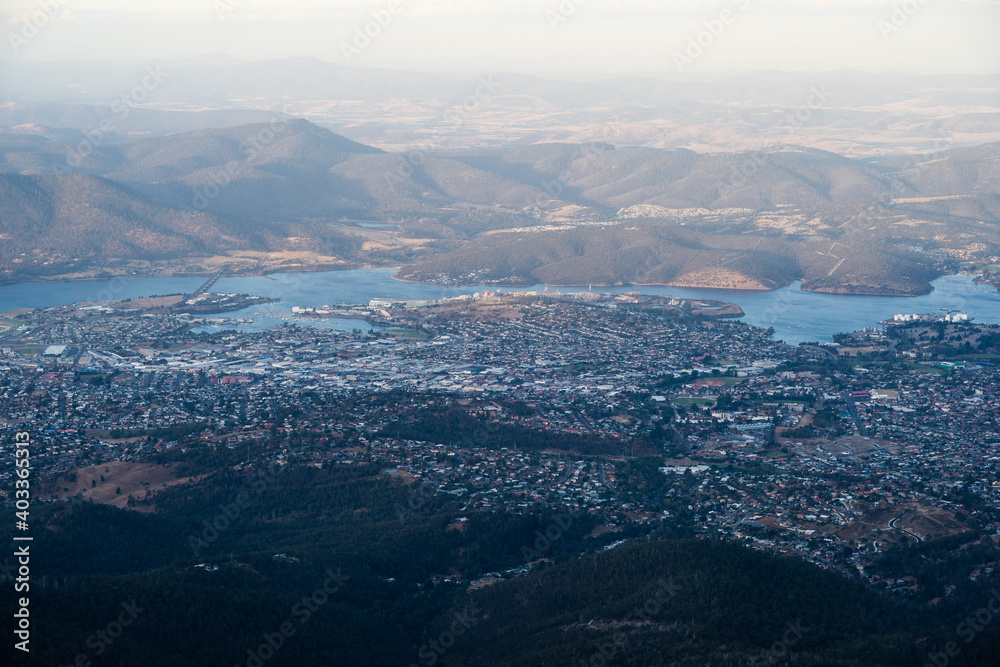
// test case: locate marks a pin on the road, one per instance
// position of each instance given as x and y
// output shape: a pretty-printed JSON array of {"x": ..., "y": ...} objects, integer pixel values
[
  {"x": 853, "y": 408},
  {"x": 892, "y": 524},
  {"x": 208, "y": 283}
]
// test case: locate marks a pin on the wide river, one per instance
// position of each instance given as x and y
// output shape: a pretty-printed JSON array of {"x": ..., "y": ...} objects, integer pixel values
[{"x": 796, "y": 316}]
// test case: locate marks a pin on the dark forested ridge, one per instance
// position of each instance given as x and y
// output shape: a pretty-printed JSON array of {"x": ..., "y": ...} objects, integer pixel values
[
  {"x": 678, "y": 602},
  {"x": 354, "y": 566}
]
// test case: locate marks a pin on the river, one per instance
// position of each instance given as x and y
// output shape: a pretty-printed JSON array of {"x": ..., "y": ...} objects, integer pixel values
[{"x": 796, "y": 316}]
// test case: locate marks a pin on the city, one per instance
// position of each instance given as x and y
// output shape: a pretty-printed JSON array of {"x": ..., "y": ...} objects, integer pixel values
[{"x": 638, "y": 412}]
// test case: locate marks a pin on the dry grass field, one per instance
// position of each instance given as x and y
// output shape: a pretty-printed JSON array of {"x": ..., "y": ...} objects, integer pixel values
[{"x": 131, "y": 478}]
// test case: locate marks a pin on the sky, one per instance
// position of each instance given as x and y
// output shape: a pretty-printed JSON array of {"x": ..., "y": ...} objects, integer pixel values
[{"x": 529, "y": 36}]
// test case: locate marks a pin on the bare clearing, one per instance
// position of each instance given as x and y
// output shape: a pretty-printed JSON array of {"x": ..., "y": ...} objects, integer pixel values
[{"x": 130, "y": 478}]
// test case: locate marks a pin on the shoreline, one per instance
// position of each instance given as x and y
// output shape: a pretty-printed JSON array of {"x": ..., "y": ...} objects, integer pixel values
[
  {"x": 396, "y": 269},
  {"x": 312, "y": 268},
  {"x": 744, "y": 290}
]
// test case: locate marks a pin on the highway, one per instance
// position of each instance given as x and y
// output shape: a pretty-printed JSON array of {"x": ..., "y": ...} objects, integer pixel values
[{"x": 208, "y": 283}]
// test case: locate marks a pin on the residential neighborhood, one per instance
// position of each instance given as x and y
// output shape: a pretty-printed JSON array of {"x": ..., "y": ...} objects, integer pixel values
[{"x": 638, "y": 412}]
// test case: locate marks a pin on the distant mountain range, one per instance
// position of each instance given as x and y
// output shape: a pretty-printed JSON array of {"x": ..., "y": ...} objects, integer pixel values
[
  {"x": 559, "y": 213},
  {"x": 848, "y": 112}
]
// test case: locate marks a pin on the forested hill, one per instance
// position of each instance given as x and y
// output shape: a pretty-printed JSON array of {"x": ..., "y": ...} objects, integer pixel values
[
  {"x": 288, "y": 193},
  {"x": 205, "y": 591}
]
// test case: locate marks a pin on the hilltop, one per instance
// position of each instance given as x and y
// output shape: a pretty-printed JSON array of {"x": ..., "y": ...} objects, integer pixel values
[{"x": 291, "y": 194}]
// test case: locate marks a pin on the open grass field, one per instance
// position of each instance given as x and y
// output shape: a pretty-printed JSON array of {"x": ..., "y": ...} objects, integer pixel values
[
  {"x": 8, "y": 327},
  {"x": 924, "y": 521},
  {"x": 130, "y": 478},
  {"x": 694, "y": 400}
]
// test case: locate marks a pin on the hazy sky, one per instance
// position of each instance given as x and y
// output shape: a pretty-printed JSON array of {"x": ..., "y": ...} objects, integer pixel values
[{"x": 534, "y": 36}]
